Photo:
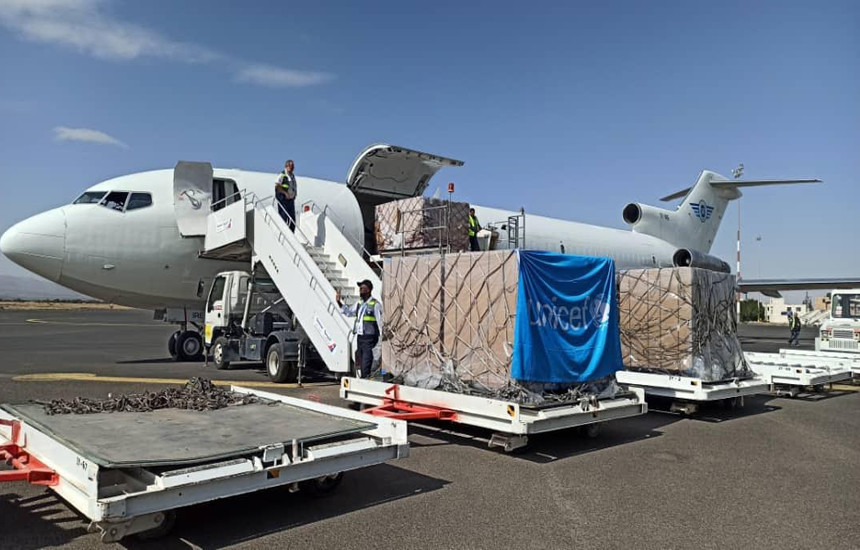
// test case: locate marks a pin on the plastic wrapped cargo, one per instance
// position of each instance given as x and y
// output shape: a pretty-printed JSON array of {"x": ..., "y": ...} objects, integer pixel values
[
  {"x": 503, "y": 323},
  {"x": 680, "y": 321},
  {"x": 422, "y": 222}
]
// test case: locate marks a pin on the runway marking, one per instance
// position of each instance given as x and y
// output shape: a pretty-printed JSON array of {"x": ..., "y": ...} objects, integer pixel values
[
  {"x": 90, "y": 377},
  {"x": 49, "y": 322}
]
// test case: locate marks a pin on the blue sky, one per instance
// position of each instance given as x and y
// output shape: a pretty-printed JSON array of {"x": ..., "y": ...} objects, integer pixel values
[{"x": 569, "y": 109}]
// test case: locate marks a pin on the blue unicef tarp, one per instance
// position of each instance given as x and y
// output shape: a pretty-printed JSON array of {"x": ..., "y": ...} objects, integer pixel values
[{"x": 566, "y": 328}]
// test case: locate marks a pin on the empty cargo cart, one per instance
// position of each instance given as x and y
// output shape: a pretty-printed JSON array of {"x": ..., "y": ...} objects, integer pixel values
[
  {"x": 127, "y": 472},
  {"x": 789, "y": 373},
  {"x": 510, "y": 422},
  {"x": 689, "y": 392}
]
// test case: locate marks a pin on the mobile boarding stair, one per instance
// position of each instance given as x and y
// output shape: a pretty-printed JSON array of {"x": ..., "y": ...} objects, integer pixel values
[
  {"x": 790, "y": 372},
  {"x": 308, "y": 266},
  {"x": 126, "y": 473}
]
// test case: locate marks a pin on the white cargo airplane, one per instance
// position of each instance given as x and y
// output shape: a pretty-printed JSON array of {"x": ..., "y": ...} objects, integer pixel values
[{"x": 125, "y": 240}]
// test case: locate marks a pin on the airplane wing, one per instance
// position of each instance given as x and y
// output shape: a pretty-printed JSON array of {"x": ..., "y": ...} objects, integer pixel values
[{"x": 771, "y": 287}]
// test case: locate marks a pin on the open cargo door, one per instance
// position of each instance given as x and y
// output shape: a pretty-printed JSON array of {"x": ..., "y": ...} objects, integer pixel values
[
  {"x": 192, "y": 196},
  {"x": 388, "y": 172}
]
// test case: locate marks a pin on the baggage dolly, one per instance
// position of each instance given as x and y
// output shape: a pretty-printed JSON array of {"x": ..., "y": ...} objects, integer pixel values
[
  {"x": 688, "y": 392},
  {"x": 789, "y": 373},
  {"x": 511, "y": 422},
  {"x": 128, "y": 471}
]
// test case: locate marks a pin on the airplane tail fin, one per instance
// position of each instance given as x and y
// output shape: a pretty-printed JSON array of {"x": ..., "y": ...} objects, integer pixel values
[{"x": 694, "y": 224}]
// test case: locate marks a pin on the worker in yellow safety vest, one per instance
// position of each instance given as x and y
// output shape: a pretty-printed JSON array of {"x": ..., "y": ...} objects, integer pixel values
[
  {"x": 474, "y": 227},
  {"x": 367, "y": 327},
  {"x": 286, "y": 191}
]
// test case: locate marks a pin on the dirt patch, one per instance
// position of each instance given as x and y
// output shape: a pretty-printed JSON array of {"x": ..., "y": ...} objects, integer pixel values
[{"x": 58, "y": 306}]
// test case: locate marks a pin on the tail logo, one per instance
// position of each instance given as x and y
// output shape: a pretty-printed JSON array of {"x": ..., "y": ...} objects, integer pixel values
[{"x": 702, "y": 210}]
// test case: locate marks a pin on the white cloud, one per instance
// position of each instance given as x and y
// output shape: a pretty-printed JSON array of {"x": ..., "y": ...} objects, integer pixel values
[
  {"x": 63, "y": 133},
  {"x": 87, "y": 27},
  {"x": 268, "y": 75}
]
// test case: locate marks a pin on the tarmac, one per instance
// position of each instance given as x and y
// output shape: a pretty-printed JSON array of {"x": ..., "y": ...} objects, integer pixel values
[{"x": 778, "y": 473}]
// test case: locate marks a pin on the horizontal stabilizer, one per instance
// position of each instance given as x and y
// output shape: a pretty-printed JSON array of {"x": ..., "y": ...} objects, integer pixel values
[{"x": 737, "y": 184}]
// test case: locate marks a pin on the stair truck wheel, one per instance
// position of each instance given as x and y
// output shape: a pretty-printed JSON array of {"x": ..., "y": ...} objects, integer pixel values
[
  {"x": 171, "y": 345},
  {"x": 218, "y": 353},
  {"x": 278, "y": 369},
  {"x": 189, "y": 346}
]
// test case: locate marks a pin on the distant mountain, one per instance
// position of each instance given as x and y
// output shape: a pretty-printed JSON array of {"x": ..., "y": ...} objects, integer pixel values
[{"x": 13, "y": 287}]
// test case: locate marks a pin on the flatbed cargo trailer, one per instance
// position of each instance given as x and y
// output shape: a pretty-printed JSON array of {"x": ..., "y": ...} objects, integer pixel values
[
  {"x": 848, "y": 360},
  {"x": 689, "y": 392},
  {"x": 511, "y": 422},
  {"x": 128, "y": 471},
  {"x": 789, "y": 373}
]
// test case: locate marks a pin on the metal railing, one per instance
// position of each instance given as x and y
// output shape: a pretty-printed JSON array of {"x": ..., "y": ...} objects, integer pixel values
[{"x": 298, "y": 253}]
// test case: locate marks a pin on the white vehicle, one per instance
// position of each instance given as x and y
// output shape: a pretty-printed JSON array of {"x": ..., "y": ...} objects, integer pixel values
[
  {"x": 140, "y": 240},
  {"x": 792, "y": 371},
  {"x": 841, "y": 332}
]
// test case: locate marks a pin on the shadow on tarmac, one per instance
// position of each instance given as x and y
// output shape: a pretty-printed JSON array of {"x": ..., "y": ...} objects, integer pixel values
[
  {"x": 248, "y": 517},
  {"x": 717, "y": 411},
  {"x": 39, "y": 521},
  {"x": 546, "y": 447}
]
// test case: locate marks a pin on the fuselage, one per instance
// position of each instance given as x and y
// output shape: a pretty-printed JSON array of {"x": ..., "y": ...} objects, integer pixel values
[{"x": 133, "y": 254}]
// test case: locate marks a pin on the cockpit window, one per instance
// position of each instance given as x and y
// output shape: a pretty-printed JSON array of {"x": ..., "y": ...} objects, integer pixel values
[
  {"x": 139, "y": 200},
  {"x": 90, "y": 197},
  {"x": 115, "y": 200}
]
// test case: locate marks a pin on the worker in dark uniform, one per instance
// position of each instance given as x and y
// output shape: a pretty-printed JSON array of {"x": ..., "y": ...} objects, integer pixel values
[
  {"x": 368, "y": 325},
  {"x": 285, "y": 192},
  {"x": 474, "y": 227},
  {"x": 794, "y": 328}
]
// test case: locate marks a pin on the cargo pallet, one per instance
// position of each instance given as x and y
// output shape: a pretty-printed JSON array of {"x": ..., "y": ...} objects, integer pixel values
[
  {"x": 789, "y": 372},
  {"x": 121, "y": 500},
  {"x": 511, "y": 422},
  {"x": 689, "y": 392}
]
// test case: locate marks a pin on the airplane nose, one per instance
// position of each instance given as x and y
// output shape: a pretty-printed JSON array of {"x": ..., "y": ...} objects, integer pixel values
[{"x": 38, "y": 243}]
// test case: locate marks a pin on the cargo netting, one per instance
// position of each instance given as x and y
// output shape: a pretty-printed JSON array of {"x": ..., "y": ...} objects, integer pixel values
[
  {"x": 422, "y": 222},
  {"x": 680, "y": 321},
  {"x": 450, "y": 326}
]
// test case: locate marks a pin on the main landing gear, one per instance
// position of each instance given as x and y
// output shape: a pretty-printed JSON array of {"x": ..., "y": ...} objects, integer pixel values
[{"x": 186, "y": 345}]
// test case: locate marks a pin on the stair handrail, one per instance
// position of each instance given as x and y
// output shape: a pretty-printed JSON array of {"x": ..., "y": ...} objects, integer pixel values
[
  {"x": 260, "y": 204},
  {"x": 328, "y": 211}
]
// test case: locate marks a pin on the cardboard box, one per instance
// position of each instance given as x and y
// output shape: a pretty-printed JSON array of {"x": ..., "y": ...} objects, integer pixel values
[
  {"x": 680, "y": 321},
  {"x": 422, "y": 222},
  {"x": 451, "y": 314}
]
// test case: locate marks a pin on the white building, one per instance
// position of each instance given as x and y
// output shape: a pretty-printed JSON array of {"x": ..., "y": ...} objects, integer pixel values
[{"x": 776, "y": 311}]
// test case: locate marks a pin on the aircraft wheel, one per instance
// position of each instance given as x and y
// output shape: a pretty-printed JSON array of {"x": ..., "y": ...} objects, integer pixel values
[
  {"x": 189, "y": 346},
  {"x": 218, "y": 349},
  {"x": 171, "y": 345},
  {"x": 279, "y": 370}
]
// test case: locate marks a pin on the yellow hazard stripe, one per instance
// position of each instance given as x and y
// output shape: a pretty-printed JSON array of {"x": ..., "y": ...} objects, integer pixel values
[{"x": 90, "y": 377}]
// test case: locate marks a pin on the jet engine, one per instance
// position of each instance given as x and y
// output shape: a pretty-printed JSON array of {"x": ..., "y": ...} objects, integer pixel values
[{"x": 684, "y": 257}]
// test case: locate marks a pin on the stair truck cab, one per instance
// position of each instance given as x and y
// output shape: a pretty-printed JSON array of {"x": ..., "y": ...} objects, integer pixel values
[{"x": 248, "y": 320}]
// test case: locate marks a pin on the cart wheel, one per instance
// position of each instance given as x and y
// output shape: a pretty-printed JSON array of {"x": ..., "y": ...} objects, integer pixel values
[
  {"x": 818, "y": 388},
  {"x": 171, "y": 345},
  {"x": 163, "y": 529},
  {"x": 218, "y": 348},
  {"x": 278, "y": 369},
  {"x": 731, "y": 403},
  {"x": 591, "y": 430},
  {"x": 323, "y": 485},
  {"x": 189, "y": 346}
]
